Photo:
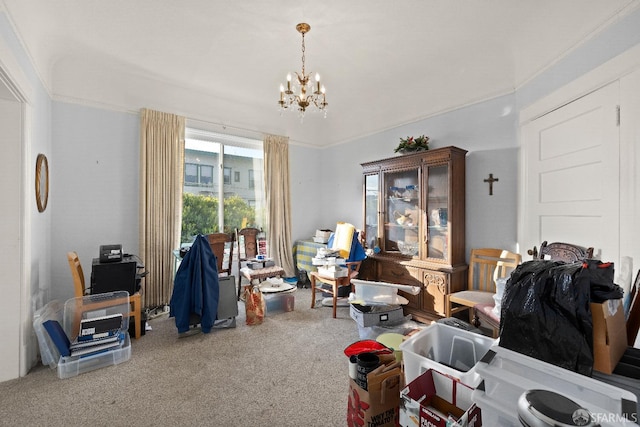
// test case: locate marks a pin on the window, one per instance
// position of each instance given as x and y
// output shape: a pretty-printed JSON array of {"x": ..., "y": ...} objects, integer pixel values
[
  {"x": 197, "y": 175},
  {"x": 211, "y": 202},
  {"x": 190, "y": 173},
  {"x": 206, "y": 175},
  {"x": 252, "y": 182}
]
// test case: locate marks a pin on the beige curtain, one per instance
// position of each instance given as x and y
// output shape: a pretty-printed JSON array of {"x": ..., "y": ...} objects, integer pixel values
[
  {"x": 276, "y": 177},
  {"x": 161, "y": 175}
]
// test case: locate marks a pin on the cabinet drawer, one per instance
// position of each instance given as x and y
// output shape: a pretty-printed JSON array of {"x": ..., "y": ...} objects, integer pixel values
[{"x": 397, "y": 273}]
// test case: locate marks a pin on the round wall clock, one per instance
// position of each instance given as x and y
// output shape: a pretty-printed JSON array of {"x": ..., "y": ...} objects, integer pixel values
[{"x": 42, "y": 182}]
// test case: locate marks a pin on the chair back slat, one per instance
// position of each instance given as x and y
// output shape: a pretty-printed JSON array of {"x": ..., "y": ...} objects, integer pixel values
[{"x": 487, "y": 265}]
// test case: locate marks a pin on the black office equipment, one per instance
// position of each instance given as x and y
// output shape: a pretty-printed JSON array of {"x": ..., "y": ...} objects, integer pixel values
[
  {"x": 115, "y": 276},
  {"x": 110, "y": 253}
]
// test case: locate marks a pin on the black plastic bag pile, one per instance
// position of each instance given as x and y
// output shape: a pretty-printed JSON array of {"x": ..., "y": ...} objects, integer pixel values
[{"x": 545, "y": 310}]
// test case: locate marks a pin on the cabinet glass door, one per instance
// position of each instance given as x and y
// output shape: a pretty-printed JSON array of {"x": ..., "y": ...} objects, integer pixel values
[
  {"x": 436, "y": 210},
  {"x": 402, "y": 212},
  {"x": 371, "y": 200}
]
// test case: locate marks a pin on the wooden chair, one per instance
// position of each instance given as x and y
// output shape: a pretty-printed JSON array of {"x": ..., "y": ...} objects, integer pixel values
[
  {"x": 566, "y": 252},
  {"x": 247, "y": 242},
  {"x": 222, "y": 247},
  {"x": 135, "y": 300},
  {"x": 353, "y": 270},
  {"x": 485, "y": 266}
]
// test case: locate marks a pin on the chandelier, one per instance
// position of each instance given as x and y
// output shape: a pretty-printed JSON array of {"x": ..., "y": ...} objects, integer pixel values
[{"x": 303, "y": 93}]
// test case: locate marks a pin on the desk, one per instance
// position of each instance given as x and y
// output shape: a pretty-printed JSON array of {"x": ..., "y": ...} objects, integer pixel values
[{"x": 303, "y": 252}]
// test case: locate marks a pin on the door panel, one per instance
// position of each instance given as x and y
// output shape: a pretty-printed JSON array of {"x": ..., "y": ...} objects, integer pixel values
[{"x": 571, "y": 175}]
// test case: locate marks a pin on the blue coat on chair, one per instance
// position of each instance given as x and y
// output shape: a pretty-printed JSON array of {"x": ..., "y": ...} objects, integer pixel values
[{"x": 195, "y": 288}]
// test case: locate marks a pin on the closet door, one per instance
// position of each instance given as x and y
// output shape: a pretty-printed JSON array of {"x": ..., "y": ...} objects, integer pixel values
[{"x": 571, "y": 173}]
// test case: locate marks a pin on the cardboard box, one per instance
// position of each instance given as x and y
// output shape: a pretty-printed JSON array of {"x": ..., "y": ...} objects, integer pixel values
[
  {"x": 323, "y": 234},
  {"x": 258, "y": 264},
  {"x": 438, "y": 400},
  {"x": 379, "y": 404},
  {"x": 333, "y": 272},
  {"x": 373, "y": 315},
  {"x": 609, "y": 335}
]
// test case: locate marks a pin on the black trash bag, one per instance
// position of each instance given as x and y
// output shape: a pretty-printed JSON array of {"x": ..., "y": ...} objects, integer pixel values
[
  {"x": 599, "y": 276},
  {"x": 545, "y": 315}
]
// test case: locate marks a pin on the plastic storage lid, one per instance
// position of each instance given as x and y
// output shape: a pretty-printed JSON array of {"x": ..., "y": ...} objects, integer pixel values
[{"x": 543, "y": 408}]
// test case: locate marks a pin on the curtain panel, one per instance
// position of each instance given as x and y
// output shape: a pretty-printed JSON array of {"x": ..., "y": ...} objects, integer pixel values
[
  {"x": 161, "y": 181},
  {"x": 276, "y": 178}
]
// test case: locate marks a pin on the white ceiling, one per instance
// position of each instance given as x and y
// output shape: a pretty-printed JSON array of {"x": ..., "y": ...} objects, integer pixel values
[{"x": 384, "y": 63}]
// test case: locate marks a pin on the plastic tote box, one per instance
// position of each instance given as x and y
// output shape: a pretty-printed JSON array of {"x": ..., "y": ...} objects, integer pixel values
[
  {"x": 373, "y": 315},
  {"x": 507, "y": 375},
  {"x": 69, "y": 317},
  {"x": 446, "y": 349}
]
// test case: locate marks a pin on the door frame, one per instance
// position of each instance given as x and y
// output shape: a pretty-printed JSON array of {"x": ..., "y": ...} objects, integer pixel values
[
  {"x": 611, "y": 71},
  {"x": 16, "y": 88}
]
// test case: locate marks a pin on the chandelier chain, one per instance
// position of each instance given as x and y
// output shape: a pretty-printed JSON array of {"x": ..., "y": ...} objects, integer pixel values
[{"x": 303, "y": 55}]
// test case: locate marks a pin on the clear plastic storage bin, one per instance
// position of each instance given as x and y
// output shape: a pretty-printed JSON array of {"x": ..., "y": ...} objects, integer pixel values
[
  {"x": 508, "y": 374},
  {"x": 69, "y": 317},
  {"x": 446, "y": 349}
]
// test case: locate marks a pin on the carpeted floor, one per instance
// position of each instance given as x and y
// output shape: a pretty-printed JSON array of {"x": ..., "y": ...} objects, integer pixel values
[{"x": 288, "y": 371}]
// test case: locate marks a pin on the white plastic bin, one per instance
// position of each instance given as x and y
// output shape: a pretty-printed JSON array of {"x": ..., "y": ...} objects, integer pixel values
[
  {"x": 508, "y": 374},
  {"x": 368, "y": 292},
  {"x": 446, "y": 349},
  {"x": 494, "y": 414}
]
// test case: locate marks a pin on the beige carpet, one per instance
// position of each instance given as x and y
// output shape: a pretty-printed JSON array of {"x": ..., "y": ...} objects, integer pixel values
[{"x": 289, "y": 371}]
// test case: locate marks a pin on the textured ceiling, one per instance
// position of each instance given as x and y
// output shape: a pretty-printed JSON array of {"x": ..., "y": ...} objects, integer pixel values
[{"x": 384, "y": 63}]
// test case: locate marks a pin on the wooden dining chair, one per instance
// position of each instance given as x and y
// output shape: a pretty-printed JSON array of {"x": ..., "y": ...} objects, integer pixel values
[
  {"x": 247, "y": 242},
  {"x": 222, "y": 246},
  {"x": 485, "y": 266},
  {"x": 566, "y": 252},
  {"x": 135, "y": 300},
  {"x": 317, "y": 280}
]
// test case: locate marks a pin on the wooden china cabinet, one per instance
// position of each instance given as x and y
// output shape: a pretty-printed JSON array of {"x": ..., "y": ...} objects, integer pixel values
[{"x": 414, "y": 216}]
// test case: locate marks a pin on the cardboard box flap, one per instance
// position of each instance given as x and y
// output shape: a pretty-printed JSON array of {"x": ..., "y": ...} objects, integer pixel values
[
  {"x": 609, "y": 334},
  {"x": 434, "y": 398}
]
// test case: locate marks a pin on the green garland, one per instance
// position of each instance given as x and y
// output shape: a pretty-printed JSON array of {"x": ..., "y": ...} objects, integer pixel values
[{"x": 413, "y": 144}]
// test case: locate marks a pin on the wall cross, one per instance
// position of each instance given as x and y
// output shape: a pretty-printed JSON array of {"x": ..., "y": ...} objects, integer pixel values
[{"x": 491, "y": 180}]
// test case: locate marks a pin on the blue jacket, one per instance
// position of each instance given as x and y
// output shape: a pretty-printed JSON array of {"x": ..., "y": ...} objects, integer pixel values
[{"x": 195, "y": 288}]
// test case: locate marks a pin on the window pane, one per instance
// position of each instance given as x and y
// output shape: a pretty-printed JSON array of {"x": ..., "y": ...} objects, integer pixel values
[
  {"x": 227, "y": 175},
  {"x": 190, "y": 173},
  {"x": 206, "y": 175},
  {"x": 242, "y": 204}
]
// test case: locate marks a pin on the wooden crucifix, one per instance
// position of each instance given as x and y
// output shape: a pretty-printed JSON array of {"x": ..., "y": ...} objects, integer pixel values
[{"x": 491, "y": 180}]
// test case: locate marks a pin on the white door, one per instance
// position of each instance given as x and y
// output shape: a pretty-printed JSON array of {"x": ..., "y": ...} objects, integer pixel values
[{"x": 570, "y": 173}]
